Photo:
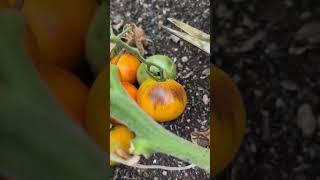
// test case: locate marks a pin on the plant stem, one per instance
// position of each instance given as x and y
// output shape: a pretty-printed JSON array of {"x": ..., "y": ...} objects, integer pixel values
[
  {"x": 151, "y": 137},
  {"x": 117, "y": 40}
]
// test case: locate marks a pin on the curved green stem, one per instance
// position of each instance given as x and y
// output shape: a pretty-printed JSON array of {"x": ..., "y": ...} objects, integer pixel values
[
  {"x": 117, "y": 40},
  {"x": 151, "y": 137}
]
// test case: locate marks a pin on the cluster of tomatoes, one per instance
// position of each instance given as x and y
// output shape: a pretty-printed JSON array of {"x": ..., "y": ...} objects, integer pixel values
[
  {"x": 55, "y": 42},
  {"x": 162, "y": 100}
]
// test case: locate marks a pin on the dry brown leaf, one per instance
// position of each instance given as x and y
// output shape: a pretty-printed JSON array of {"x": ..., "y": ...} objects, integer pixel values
[
  {"x": 137, "y": 37},
  {"x": 201, "y": 138}
]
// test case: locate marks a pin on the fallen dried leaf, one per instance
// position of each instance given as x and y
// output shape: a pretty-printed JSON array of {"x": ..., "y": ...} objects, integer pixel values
[
  {"x": 137, "y": 37},
  {"x": 201, "y": 138}
]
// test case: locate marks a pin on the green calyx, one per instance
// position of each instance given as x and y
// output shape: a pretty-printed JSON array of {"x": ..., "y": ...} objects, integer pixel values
[{"x": 168, "y": 66}]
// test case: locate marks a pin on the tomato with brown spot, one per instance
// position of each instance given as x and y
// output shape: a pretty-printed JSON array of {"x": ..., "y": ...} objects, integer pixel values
[{"x": 163, "y": 101}]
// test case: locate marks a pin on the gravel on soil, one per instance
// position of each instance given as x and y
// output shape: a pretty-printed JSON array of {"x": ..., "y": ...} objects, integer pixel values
[
  {"x": 271, "y": 48},
  {"x": 193, "y": 73}
]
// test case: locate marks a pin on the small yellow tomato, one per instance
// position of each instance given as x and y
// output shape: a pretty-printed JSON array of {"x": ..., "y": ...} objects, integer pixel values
[
  {"x": 120, "y": 138},
  {"x": 163, "y": 101}
]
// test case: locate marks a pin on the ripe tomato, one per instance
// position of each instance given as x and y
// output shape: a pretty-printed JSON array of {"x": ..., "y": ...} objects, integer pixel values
[
  {"x": 60, "y": 28},
  {"x": 228, "y": 119},
  {"x": 164, "y": 101},
  {"x": 120, "y": 138},
  {"x": 69, "y": 91},
  {"x": 128, "y": 66}
]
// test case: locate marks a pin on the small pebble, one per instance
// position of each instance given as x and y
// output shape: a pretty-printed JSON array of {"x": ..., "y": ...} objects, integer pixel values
[
  {"x": 184, "y": 59},
  {"x": 205, "y": 99},
  {"x": 279, "y": 103},
  {"x": 206, "y": 72},
  {"x": 257, "y": 93},
  {"x": 164, "y": 173},
  {"x": 288, "y": 85},
  {"x": 306, "y": 120}
]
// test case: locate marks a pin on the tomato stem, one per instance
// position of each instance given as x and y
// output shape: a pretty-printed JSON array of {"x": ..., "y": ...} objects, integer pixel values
[
  {"x": 151, "y": 137},
  {"x": 116, "y": 39}
]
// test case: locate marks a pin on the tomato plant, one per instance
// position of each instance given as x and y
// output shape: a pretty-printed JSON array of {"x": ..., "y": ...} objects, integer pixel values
[
  {"x": 128, "y": 66},
  {"x": 70, "y": 92}
]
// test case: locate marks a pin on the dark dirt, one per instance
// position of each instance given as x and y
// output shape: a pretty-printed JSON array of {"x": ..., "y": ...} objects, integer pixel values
[
  {"x": 193, "y": 71},
  {"x": 275, "y": 62}
]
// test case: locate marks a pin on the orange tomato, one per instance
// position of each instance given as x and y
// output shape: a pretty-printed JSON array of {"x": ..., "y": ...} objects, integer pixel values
[
  {"x": 120, "y": 138},
  {"x": 130, "y": 89},
  {"x": 60, "y": 28},
  {"x": 128, "y": 66},
  {"x": 228, "y": 119},
  {"x": 97, "y": 111},
  {"x": 164, "y": 101},
  {"x": 30, "y": 40},
  {"x": 69, "y": 91}
]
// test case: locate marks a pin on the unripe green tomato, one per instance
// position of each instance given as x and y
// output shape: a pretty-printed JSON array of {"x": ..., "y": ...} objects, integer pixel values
[{"x": 164, "y": 62}]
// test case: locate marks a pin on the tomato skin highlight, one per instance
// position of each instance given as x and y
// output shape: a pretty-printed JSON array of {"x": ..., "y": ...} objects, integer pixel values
[
  {"x": 70, "y": 92},
  {"x": 163, "y": 101},
  {"x": 128, "y": 66},
  {"x": 120, "y": 138}
]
